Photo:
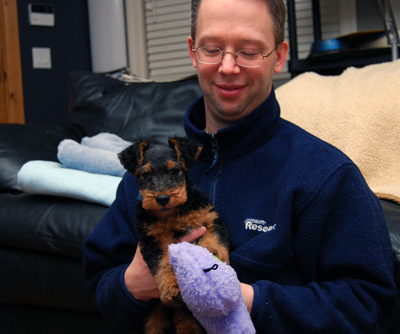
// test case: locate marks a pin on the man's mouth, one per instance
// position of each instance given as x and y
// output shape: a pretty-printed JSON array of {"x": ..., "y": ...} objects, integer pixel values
[{"x": 230, "y": 91}]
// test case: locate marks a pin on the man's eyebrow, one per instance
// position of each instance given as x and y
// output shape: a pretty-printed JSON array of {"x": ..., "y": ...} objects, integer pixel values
[
  {"x": 257, "y": 42},
  {"x": 211, "y": 38}
]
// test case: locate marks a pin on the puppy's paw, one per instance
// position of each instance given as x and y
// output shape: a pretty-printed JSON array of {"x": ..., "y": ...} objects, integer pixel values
[{"x": 171, "y": 297}]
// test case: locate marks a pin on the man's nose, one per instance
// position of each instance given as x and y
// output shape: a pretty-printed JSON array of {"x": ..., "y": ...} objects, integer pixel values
[{"x": 228, "y": 64}]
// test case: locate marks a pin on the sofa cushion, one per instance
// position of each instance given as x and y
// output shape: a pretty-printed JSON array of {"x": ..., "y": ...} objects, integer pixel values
[
  {"x": 40, "y": 279},
  {"x": 47, "y": 224},
  {"x": 392, "y": 216},
  {"x": 21, "y": 143},
  {"x": 134, "y": 111}
]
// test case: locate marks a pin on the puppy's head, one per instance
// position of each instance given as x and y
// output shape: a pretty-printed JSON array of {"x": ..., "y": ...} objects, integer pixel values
[{"x": 161, "y": 171}]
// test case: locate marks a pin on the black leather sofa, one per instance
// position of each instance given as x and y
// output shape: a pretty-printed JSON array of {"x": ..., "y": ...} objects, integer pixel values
[{"x": 42, "y": 289}]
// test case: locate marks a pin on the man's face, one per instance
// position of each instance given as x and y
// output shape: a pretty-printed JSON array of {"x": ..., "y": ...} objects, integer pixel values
[{"x": 230, "y": 91}]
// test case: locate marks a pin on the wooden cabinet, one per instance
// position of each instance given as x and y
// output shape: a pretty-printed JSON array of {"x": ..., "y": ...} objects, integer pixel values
[{"x": 11, "y": 91}]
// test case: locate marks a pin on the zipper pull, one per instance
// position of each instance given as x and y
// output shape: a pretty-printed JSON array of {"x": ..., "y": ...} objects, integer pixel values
[{"x": 214, "y": 150}]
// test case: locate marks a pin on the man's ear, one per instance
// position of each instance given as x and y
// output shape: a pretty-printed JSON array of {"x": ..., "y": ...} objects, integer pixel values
[
  {"x": 132, "y": 157},
  {"x": 190, "y": 45},
  {"x": 282, "y": 54},
  {"x": 187, "y": 151}
]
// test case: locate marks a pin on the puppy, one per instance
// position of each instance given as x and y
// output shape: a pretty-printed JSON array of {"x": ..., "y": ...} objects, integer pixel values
[{"x": 168, "y": 208}]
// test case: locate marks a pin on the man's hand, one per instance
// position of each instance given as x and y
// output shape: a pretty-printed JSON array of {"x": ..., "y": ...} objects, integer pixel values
[
  {"x": 248, "y": 295},
  {"x": 138, "y": 279},
  {"x": 193, "y": 235}
]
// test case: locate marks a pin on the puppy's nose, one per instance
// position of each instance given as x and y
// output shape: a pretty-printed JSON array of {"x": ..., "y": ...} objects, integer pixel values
[{"x": 163, "y": 199}]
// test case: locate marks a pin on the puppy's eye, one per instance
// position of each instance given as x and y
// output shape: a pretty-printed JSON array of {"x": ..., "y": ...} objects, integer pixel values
[
  {"x": 175, "y": 172},
  {"x": 146, "y": 175}
]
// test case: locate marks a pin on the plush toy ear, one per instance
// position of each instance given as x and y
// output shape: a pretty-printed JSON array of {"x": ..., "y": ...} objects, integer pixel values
[
  {"x": 186, "y": 150},
  {"x": 132, "y": 157}
]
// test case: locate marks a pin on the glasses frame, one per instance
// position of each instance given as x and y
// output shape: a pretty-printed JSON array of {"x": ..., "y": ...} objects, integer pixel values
[{"x": 234, "y": 54}]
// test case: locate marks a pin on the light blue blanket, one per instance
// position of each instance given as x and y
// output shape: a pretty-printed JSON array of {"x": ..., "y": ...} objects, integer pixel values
[
  {"x": 106, "y": 141},
  {"x": 52, "y": 178},
  {"x": 96, "y": 154}
]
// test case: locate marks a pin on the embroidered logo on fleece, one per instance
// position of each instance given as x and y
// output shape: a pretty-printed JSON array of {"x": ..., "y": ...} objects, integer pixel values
[{"x": 258, "y": 225}]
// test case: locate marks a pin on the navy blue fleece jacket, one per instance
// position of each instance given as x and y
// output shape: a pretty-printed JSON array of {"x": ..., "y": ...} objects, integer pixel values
[{"x": 306, "y": 231}]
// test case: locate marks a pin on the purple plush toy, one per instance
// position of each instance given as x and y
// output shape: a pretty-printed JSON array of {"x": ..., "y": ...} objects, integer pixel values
[{"x": 210, "y": 289}]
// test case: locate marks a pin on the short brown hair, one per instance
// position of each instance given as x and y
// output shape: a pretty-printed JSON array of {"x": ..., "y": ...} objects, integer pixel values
[{"x": 278, "y": 13}]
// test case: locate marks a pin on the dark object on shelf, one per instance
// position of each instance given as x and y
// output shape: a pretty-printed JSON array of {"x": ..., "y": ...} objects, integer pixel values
[{"x": 352, "y": 42}]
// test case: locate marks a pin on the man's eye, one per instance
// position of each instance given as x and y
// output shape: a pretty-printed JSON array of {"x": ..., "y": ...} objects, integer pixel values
[
  {"x": 249, "y": 54},
  {"x": 211, "y": 52}
]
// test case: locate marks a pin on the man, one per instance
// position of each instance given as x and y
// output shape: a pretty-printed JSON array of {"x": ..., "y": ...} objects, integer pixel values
[{"x": 308, "y": 238}]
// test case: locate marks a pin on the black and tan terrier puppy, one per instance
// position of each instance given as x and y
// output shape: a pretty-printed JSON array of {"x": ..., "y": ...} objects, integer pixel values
[{"x": 168, "y": 208}]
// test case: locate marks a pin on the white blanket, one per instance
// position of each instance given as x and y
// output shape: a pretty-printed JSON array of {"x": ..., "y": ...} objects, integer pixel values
[
  {"x": 52, "y": 178},
  {"x": 358, "y": 112}
]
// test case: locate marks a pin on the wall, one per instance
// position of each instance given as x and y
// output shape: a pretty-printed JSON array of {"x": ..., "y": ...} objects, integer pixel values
[
  {"x": 160, "y": 46},
  {"x": 45, "y": 90},
  {"x": 369, "y": 14}
]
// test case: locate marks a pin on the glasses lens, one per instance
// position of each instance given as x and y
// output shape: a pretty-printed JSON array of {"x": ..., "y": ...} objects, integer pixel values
[
  {"x": 249, "y": 58},
  {"x": 208, "y": 55}
]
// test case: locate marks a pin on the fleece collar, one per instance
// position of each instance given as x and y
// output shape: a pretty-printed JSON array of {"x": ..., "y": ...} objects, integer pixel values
[{"x": 250, "y": 132}]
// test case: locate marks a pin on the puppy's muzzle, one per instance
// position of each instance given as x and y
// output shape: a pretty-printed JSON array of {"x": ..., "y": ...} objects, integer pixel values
[{"x": 163, "y": 199}]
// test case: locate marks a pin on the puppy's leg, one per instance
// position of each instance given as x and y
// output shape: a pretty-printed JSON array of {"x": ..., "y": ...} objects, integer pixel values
[
  {"x": 168, "y": 284},
  {"x": 158, "y": 320},
  {"x": 213, "y": 244},
  {"x": 155, "y": 253},
  {"x": 216, "y": 237},
  {"x": 185, "y": 323}
]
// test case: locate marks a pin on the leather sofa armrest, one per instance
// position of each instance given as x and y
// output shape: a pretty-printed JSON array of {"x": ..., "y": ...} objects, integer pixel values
[
  {"x": 392, "y": 215},
  {"x": 21, "y": 143}
]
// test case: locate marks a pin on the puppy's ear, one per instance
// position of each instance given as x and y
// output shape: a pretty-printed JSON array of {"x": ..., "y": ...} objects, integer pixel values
[
  {"x": 132, "y": 157},
  {"x": 187, "y": 151}
]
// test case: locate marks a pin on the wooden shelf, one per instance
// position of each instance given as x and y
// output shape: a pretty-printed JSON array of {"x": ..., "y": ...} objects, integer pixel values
[
  {"x": 334, "y": 63},
  {"x": 328, "y": 63}
]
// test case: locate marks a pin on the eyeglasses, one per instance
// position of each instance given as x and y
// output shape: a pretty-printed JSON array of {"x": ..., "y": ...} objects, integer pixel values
[{"x": 244, "y": 58}]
